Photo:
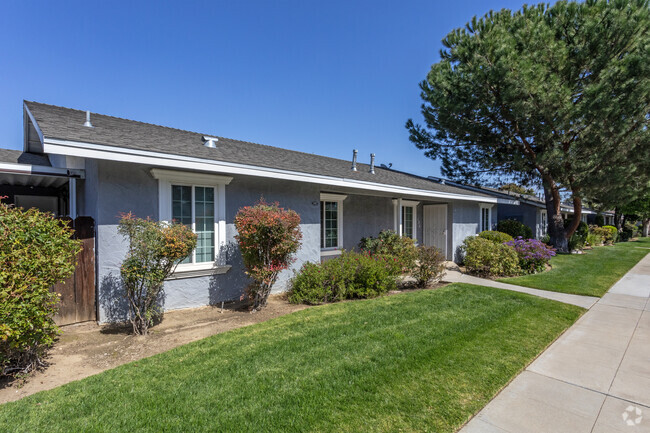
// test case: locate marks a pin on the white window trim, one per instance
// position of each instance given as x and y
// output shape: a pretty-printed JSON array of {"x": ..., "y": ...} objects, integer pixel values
[
  {"x": 480, "y": 221},
  {"x": 398, "y": 224},
  {"x": 543, "y": 220},
  {"x": 167, "y": 178},
  {"x": 332, "y": 251}
]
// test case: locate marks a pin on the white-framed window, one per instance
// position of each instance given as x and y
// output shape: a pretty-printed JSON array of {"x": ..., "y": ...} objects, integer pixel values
[
  {"x": 544, "y": 222},
  {"x": 485, "y": 222},
  {"x": 405, "y": 218},
  {"x": 198, "y": 201},
  {"x": 331, "y": 223}
]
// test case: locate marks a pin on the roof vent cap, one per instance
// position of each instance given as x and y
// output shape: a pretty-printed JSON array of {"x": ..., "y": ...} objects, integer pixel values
[
  {"x": 87, "y": 122},
  {"x": 210, "y": 142},
  {"x": 372, "y": 163},
  {"x": 354, "y": 160}
]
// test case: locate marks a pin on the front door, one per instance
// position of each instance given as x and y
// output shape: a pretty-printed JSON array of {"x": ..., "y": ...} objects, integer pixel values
[{"x": 435, "y": 226}]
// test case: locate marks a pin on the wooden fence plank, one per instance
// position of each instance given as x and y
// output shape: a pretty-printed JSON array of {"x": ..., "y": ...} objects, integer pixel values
[{"x": 77, "y": 302}]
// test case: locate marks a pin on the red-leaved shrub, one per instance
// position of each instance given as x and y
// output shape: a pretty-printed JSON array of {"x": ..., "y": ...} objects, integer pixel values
[{"x": 268, "y": 237}]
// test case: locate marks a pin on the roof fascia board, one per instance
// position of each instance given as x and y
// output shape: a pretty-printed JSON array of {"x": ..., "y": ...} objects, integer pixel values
[
  {"x": 507, "y": 201},
  {"x": 36, "y": 127},
  {"x": 112, "y": 153},
  {"x": 39, "y": 170},
  {"x": 502, "y": 198}
]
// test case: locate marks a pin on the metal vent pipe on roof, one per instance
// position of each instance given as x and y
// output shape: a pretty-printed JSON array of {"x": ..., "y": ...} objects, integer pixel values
[
  {"x": 372, "y": 163},
  {"x": 87, "y": 122},
  {"x": 210, "y": 142},
  {"x": 354, "y": 159}
]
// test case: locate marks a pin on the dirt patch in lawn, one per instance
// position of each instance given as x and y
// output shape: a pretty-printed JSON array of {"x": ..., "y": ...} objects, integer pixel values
[{"x": 85, "y": 349}]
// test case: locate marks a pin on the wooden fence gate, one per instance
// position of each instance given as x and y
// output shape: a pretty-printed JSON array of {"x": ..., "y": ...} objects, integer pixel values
[{"x": 78, "y": 291}]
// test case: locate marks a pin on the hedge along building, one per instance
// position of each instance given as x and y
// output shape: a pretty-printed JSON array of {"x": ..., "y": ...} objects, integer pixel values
[
  {"x": 203, "y": 180},
  {"x": 528, "y": 209}
]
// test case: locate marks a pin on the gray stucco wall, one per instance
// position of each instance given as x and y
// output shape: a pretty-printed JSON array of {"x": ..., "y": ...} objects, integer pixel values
[
  {"x": 525, "y": 213},
  {"x": 465, "y": 217},
  {"x": 114, "y": 188},
  {"x": 365, "y": 216},
  {"x": 130, "y": 187}
]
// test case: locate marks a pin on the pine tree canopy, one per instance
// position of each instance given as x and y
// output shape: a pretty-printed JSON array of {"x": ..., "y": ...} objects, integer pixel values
[{"x": 557, "y": 93}]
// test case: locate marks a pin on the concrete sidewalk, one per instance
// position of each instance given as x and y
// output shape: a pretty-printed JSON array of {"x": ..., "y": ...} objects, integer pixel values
[
  {"x": 594, "y": 378},
  {"x": 454, "y": 276}
]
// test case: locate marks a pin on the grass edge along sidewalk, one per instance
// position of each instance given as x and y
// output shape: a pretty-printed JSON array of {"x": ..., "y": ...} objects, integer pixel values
[
  {"x": 419, "y": 361},
  {"x": 591, "y": 273}
]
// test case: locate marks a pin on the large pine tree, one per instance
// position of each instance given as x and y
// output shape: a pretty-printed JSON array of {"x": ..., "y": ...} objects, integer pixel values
[{"x": 557, "y": 93}]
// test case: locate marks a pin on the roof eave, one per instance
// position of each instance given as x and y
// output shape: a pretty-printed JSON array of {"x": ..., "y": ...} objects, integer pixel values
[
  {"x": 39, "y": 170},
  {"x": 121, "y": 154}
]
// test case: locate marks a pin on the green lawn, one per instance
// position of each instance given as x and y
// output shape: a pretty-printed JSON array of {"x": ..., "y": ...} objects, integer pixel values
[
  {"x": 592, "y": 273},
  {"x": 418, "y": 361}
]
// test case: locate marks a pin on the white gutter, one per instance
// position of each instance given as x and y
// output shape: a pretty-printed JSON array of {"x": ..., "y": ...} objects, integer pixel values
[
  {"x": 112, "y": 153},
  {"x": 39, "y": 170}
]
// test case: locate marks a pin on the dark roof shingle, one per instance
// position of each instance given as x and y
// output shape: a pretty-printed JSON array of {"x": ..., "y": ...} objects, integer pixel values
[{"x": 67, "y": 124}]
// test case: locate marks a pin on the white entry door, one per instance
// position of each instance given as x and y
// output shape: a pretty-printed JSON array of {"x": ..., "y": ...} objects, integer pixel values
[{"x": 435, "y": 226}]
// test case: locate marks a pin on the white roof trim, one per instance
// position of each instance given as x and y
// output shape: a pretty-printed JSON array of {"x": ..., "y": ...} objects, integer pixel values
[
  {"x": 113, "y": 153},
  {"x": 190, "y": 177},
  {"x": 325, "y": 196},
  {"x": 406, "y": 202},
  {"x": 35, "y": 124},
  {"x": 39, "y": 170}
]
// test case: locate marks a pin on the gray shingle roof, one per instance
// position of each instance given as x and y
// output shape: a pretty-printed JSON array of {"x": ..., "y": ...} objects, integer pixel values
[
  {"x": 20, "y": 157},
  {"x": 67, "y": 124}
]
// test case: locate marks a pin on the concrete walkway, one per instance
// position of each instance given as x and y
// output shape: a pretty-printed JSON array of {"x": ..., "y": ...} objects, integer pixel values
[
  {"x": 454, "y": 276},
  {"x": 594, "y": 378}
]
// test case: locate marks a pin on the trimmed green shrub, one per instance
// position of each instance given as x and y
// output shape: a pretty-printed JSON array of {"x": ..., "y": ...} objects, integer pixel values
[
  {"x": 495, "y": 236},
  {"x": 579, "y": 237},
  {"x": 155, "y": 249},
  {"x": 593, "y": 239},
  {"x": 630, "y": 230},
  {"x": 349, "y": 276},
  {"x": 613, "y": 234},
  {"x": 486, "y": 258},
  {"x": 390, "y": 244},
  {"x": 515, "y": 228},
  {"x": 36, "y": 252},
  {"x": 430, "y": 266},
  {"x": 546, "y": 239}
]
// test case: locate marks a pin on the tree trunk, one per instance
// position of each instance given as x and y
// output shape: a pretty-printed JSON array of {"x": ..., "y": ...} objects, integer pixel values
[
  {"x": 618, "y": 218},
  {"x": 646, "y": 227},
  {"x": 577, "y": 215},
  {"x": 556, "y": 230}
]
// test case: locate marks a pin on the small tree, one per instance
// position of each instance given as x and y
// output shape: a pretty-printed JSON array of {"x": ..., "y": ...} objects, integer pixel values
[
  {"x": 268, "y": 236},
  {"x": 155, "y": 249},
  {"x": 36, "y": 252}
]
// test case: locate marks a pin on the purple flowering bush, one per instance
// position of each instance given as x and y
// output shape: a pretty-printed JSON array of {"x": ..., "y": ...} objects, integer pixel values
[{"x": 533, "y": 255}]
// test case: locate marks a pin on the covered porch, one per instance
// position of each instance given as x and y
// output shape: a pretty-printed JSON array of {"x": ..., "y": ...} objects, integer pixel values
[{"x": 347, "y": 216}]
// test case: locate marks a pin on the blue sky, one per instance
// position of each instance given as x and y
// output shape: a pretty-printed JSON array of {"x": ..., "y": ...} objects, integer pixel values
[{"x": 320, "y": 77}]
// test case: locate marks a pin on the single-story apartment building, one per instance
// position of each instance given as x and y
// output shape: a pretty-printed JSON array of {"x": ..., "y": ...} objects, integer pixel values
[
  {"x": 76, "y": 163},
  {"x": 529, "y": 209}
]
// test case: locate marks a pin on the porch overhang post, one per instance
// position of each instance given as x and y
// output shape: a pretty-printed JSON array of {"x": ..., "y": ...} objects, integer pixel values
[
  {"x": 72, "y": 198},
  {"x": 397, "y": 216}
]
